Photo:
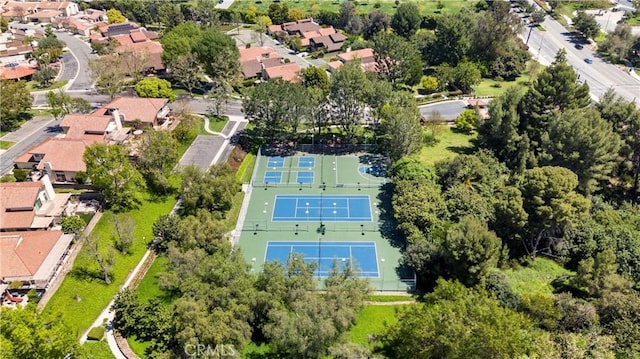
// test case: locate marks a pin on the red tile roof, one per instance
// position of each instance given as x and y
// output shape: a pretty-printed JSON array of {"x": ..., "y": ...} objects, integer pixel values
[
  {"x": 254, "y": 53},
  {"x": 64, "y": 154},
  {"x": 287, "y": 72},
  {"x": 24, "y": 253},
  {"x": 14, "y": 73},
  {"x": 17, "y": 203},
  {"x": 143, "y": 109},
  {"x": 366, "y": 55},
  {"x": 77, "y": 125}
]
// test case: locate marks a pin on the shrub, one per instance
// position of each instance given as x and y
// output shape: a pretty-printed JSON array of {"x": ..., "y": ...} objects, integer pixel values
[
  {"x": 7, "y": 178},
  {"x": 72, "y": 224},
  {"x": 96, "y": 333},
  {"x": 20, "y": 175},
  {"x": 377, "y": 5},
  {"x": 81, "y": 177},
  {"x": 467, "y": 121}
]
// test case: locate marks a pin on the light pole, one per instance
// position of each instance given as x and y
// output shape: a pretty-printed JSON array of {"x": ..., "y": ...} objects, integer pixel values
[
  {"x": 253, "y": 263},
  {"x": 312, "y": 142},
  {"x": 264, "y": 211},
  {"x": 307, "y": 212}
]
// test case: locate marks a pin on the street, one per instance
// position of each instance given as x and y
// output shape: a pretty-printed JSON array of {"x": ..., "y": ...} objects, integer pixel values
[
  {"x": 49, "y": 128},
  {"x": 600, "y": 75}
]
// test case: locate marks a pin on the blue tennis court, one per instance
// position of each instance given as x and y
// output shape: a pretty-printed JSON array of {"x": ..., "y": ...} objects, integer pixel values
[
  {"x": 308, "y": 162},
  {"x": 362, "y": 255},
  {"x": 275, "y": 162},
  {"x": 272, "y": 177},
  {"x": 336, "y": 208},
  {"x": 305, "y": 177}
]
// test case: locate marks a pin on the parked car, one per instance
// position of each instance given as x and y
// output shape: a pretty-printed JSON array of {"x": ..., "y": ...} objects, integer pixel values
[
  {"x": 588, "y": 60},
  {"x": 579, "y": 46}
]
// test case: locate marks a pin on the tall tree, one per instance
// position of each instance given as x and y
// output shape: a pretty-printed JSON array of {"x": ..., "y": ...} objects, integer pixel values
[
  {"x": 170, "y": 15},
  {"x": 406, "y": 21},
  {"x": 453, "y": 39},
  {"x": 111, "y": 171},
  {"x": 375, "y": 22},
  {"x": 212, "y": 190},
  {"x": 555, "y": 90},
  {"x": 398, "y": 60},
  {"x": 586, "y": 24},
  {"x": 551, "y": 204},
  {"x": 158, "y": 158},
  {"x": 105, "y": 261},
  {"x": 186, "y": 72},
  {"x": 470, "y": 250},
  {"x": 457, "y": 322},
  {"x": 219, "y": 56},
  {"x": 347, "y": 91},
  {"x": 625, "y": 118},
  {"x": 315, "y": 77},
  {"x": 583, "y": 142},
  {"x": 349, "y": 20},
  {"x": 108, "y": 75},
  {"x": 125, "y": 226},
  {"x": 115, "y": 16},
  {"x": 180, "y": 41},
  {"x": 278, "y": 13},
  {"x": 497, "y": 27},
  {"x": 16, "y": 101},
  {"x": 28, "y": 333},
  {"x": 62, "y": 104},
  {"x": 155, "y": 88},
  {"x": 402, "y": 132}
]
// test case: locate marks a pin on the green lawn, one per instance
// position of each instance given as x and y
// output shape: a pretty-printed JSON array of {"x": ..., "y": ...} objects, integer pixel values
[
  {"x": 535, "y": 278},
  {"x": 33, "y": 86},
  {"x": 373, "y": 319},
  {"x": 389, "y": 298},
  {"x": 97, "y": 350},
  {"x": 488, "y": 86},
  {"x": 82, "y": 296},
  {"x": 148, "y": 287},
  {"x": 216, "y": 124},
  {"x": 246, "y": 168},
  {"x": 5, "y": 145},
  {"x": 364, "y": 6},
  {"x": 450, "y": 144}
]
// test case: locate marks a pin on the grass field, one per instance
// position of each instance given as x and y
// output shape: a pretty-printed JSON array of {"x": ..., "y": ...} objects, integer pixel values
[
  {"x": 535, "y": 278},
  {"x": 365, "y": 6},
  {"x": 32, "y": 86},
  {"x": 216, "y": 124},
  {"x": 373, "y": 319},
  {"x": 82, "y": 296},
  {"x": 97, "y": 350},
  {"x": 5, "y": 145},
  {"x": 493, "y": 88},
  {"x": 450, "y": 144},
  {"x": 390, "y": 298}
]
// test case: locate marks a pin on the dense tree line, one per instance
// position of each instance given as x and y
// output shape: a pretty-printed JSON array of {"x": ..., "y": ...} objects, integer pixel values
[{"x": 217, "y": 299}]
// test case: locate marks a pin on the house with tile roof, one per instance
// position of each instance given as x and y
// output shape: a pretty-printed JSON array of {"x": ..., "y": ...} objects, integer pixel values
[
  {"x": 150, "y": 112},
  {"x": 365, "y": 56},
  {"x": 32, "y": 258},
  {"x": 60, "y": 158},
  {"x": 29, "y": 206},
  {"x": 44, "y": 11},
  {"x": 264, "y": 63}
]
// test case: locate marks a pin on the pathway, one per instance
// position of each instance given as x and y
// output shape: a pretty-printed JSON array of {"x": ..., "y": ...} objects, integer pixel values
[{"x": 236, "y": 123}]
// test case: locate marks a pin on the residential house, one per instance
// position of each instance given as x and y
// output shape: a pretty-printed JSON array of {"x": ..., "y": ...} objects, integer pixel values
[
  {"x": 288, "y": 72},
  {"x": 16, "y": 72},
  {"x": 14, "y": 45},
  {"x": 149, "y": 112},
  {"x": 251, "y": 60},
  {"x": 365, "y": 56},
  {"x": 29, "y": 206},
  {"x": 95, "y": 127},
  {"x": 327, "y": 43},
  {"x": 32, "y": 258},
  {"x": 265, "y": 63},
  {"x": 140, "y": 41},
  {"x": 43, "y": 11},
  {"x": 83, "y": 23},
  {"x": 60, "y": 158}
]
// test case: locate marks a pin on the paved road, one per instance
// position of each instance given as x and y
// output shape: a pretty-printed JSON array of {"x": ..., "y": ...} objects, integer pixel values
[
  {"x": 600, "y": 75},
  {"x": 38, "y": 132},
  {"x": 449, "y": 110},
  {"x": 250, "y": 37}
]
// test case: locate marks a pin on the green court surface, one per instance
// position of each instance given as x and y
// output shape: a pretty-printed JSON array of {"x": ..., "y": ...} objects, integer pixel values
[{"x": 330, "y": 208}]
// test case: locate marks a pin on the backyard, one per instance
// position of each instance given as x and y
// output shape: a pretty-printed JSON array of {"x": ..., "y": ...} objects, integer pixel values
[{"x": 450, "y": 143}]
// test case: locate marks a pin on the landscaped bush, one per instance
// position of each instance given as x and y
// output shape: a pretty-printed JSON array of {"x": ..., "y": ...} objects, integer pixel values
[
  {"x": 20, "y": 175},
  {"x": 81, "y": 177},
  {"x": 72, "y": 224},
  {"x": 96, "y": 333}
]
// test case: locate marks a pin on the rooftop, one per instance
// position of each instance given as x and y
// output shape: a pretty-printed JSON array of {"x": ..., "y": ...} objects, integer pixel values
[
  {"x": 143, "y": 109},
  {"x": 287, "y": 72},
  {"x": 17, "y": 203},
  {"x": 366, "y": 55},
  {"x": 64, "y": 154}
]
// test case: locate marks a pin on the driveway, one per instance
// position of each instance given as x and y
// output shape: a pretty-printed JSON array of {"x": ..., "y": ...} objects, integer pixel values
[
  {"x": 81, "y": 53},
  {"x": 202, "y": 152},
  {"x": 245, "y": 37}
]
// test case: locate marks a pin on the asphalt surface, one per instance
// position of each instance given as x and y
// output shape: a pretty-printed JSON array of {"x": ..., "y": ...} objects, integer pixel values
[
  {"x": 81, "y": 52},
  {"x": 448, "y": 110},
  {"x": 600, "y": 75},
  {"x": 38, "y": 132},
  {"x": 202, "y": 151}
]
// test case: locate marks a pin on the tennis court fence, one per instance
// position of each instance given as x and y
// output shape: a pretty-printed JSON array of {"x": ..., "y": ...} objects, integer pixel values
[{"x": 262, "y": 226}]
